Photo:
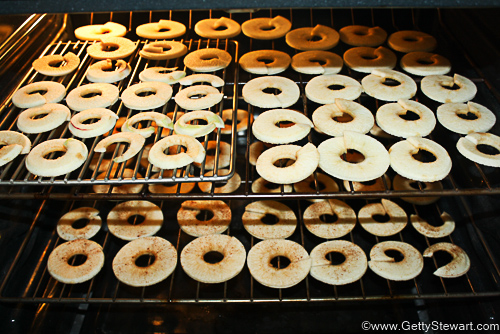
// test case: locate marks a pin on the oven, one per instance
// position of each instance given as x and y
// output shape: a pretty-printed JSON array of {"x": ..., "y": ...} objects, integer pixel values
[{"x": 31, "y": 300}]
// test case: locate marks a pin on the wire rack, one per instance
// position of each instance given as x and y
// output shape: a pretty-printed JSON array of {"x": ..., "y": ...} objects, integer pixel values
[
  {"x": 466, "y": 177},
  {"x": 28, "y": 280},
  {"x": 99, "y": 168}
]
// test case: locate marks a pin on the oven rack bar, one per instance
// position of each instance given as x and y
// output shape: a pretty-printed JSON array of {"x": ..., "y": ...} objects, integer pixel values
[
  {"x": 28, "y": 281},
  {"x": 480, "y": 180}
]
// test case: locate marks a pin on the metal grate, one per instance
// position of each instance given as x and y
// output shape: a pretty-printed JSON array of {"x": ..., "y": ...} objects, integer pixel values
[
  {"x": 99, "y": 167},
  {"x": 466, "y": 178},
  {"x": 27, "y": 280}
]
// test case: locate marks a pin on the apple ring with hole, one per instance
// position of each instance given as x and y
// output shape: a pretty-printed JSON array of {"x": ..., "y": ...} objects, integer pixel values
[
  {"x": 106, "y": 120},
  {"x": 195, "y": 264},
  {"x": 59, "y": 266},
  {"x": 115, "y": 173},
  {"x": 91, "y": 218},
  {"x": 195, "y": 152},
  {"x": 317, "y": 62},
  {"x": 229, "y": 187},
  {"x": 319, "y": 37},
  {"x": 166, "y": 188},
  {"x": 468, "y": 147},
  {"x": 135, "y": 141},
  {"x": 387, "y": 267},
  {"x": 255, "y": 150},
  {"x": 410, "y": 41},
  {"x": 74, "y": 155},
  {"x": 95, "y": 32},
  {"x": 162, "y": 74},
  {"x": 375, "y": 161},
  {"x": 374, "y": 185},
  {"x": 263, "y": 186},
  {"x": 317, "y": 89},
  {"x": 377, "y": 85},
  {"x": 184, "y": 127},
  {"x": 266, "y": 126},
  {"x": 15, "y": 143},
  {"x": 128, "y": 272},
  {"x": 288, "y": 92},
  {"x": 434, "y": 168},
  {"x": 112, "y": 48},
  {"x": 396, "y": 222},
  {"x": 160, "y": 119},
  {"x": 432, "y": 231},
  {"x": 441, "y": 88},
  {"x": 221, "y": 28},
  {"x": 108, "y": 71},
  {"x": 265, "y": 62},
  {"x": 106, "y": 162},
  {"x": 213, "y": 80},
  {"x": 425, "y": 63},
  {"x": 284, "y": 221},
  {"x": 163, "y": 50},
  {"x": 402, "y": 183},
  {"x": 242, "y": 121},
  {"x": 192, "y": 224},
  {"x": 224, "y": 155},
  {"x": 366, "y": 59},
  {"x": 261, "y": 255},
  {"x": 56, "y": 65},
  {"x": 207, "y": 60},
  {"x": 53, "y": 115},
  {"x": 465, "y": 118},
  {"x": 325, "y": 184},
  {"x": 266, "y": 28},
  {"x": 198, "y": 97},
  {"x": 38, "y": 93},
  {"x": 94, "y": 95},
  {"x": 358, "y": 35},
  {"x": 459, "y": 265},
  {"x": 159, "y": 94},
  {"x": 344, "y": 215},
  {"x": 164, "y": 29},
  {"x": 306, "y": 161},
  {"x": 406, "y": 118},
  {"x": 350, "y": 270},
  {"x": 343, "y": 115},
  {"x": 123, "y": 221}
]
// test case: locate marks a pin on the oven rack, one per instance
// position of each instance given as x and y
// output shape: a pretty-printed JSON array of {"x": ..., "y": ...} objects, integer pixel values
[
  {"x": 467, "y": 178},
  {"x": 99, "y": 169},
  {"x": 28, "y": 281}
]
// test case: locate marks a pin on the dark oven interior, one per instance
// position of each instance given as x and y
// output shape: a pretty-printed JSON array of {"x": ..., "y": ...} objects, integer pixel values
[{"x": 31, "y": 300}]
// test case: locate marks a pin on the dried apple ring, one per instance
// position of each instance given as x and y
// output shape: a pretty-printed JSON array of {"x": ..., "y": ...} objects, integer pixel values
[
  {"x": 94, "y": 95},
  {"x": 221, "y": 28},
  {"x": 120, "y": 227},
  {"x": 65, "y": 228},
  {"x": 183, "y": 127},
  {"x": 242, "y": 119},
  {"x": 213, "y": 80},
  {"x": 375, "y": 85},
  {"x": 55, "y": 114},
  {"x": 159, "y": 118},
  {"x": 163, "y": 50},
  {"x": 268, "y": 62},
  {"x": 266, "y": 28},
  {"x": 319, "y": 37},
  {"x": 375, "y": 163},
  {"x": 97, "y": 31},
  {"x": 195, "y": 152},
  {"x": 106, "y": 122},
  {"x": 164, "y": 29},
  {"x": 403, "y": 161},
  {"x": 455, "y": 117},
  {"x": 410, "y": 41},
  {"x": 387, "y": 267},
  {"x": 38, "y": 93},
  {"x": 317, "y": 89},
  {"x": 396, "y": 223},
  {"x": 345, "y": 222},
  {"x": 425, "y": 63},
  {"x": 440, "y": 88},
  {"x": 366, "y": 59},
  {"x": 432, "y": 231},
  {"x": 460, "y": 264},
  {"x": 253, "y": 92},
  {"x": 256, "y": 211},
  {"x": 207, "y": 60},
  {"x": 112, "y": 48},
  {"x": 187, "y": 217},
  {"x": 224, "y": 155},
  {"x": 189, "y": 98},
  {"x": 467, "y": 146},
  {"x": 161, "y": 74},
  {"x": 108, "y": 71},
  {"x": 49, "y": 65},
  {"x": 159, "y": 94},
  {"x": 306, "y": 161},
  {"x": 15, "y": 143},
  {"x": 357, "y": 35},
  {"x": 317, "y": 62},
  {"x": 136, "y": 142},
  {"x": 75, "y": 154},
  {"x": 266, "y": 126}
]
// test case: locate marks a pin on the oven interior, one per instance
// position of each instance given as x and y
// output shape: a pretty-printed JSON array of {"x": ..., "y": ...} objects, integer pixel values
[{"x": 31, "y": 206}]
